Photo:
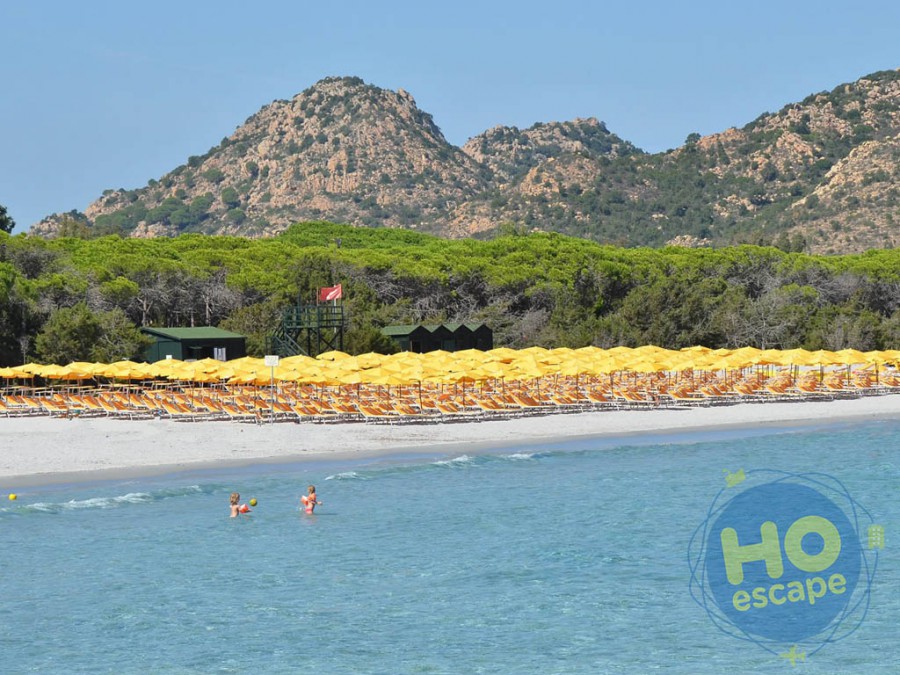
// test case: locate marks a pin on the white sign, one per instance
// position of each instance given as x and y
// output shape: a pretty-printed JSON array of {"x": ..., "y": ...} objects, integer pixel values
[{"x": 271, "y": 360}]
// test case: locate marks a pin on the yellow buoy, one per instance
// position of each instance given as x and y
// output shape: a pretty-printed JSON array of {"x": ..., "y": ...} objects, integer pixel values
[{"x": 13, "y": 496}]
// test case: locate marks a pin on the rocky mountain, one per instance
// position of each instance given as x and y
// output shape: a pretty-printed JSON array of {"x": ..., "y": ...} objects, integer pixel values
[
  {"x": 341, "y": 150},
  {"x": 826, "y": 170},
  {"x": 820, "y": 175}
]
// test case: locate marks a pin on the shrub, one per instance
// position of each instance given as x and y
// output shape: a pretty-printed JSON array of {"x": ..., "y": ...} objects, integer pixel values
[
  {"x": 230, "y": 197},
  {"x": 214, "y": 175},
  {"x": 236, "y": 216}
]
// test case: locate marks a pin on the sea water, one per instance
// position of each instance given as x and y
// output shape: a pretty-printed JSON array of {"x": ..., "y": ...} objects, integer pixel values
[{"x": 568, "y": 558}]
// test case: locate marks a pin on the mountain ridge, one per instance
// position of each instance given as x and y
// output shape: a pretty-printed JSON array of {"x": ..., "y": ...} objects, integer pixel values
[{"x": 820, "y": 175}]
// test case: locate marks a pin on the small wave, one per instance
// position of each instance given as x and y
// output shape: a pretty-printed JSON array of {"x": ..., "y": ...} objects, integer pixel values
[
  {"x": 462, "y": 460},
  {"x": 520, "y": 456},
  {"x": 346, "y": 475},
  {"x": 181, "y": 491},
  {"x": 93, "y": 503},
  {"x": 105, "y": 502}
]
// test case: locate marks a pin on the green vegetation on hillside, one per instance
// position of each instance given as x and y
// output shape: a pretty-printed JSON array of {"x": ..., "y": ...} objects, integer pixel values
[{"x": 544, "y": 289}]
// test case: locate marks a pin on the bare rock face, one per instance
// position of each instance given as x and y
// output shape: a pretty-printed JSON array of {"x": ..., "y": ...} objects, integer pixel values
[
  {"x": 509, "y": 152},
  {"x": 688, "y": 241},
  {"x": 824, "y": 171},
  {"x": 855, "y": 207}
]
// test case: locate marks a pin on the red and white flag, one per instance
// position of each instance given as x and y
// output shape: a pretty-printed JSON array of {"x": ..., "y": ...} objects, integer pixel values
[{"x": 330, "y": 293}]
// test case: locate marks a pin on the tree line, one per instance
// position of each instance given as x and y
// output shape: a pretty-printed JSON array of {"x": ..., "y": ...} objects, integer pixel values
[{"x": 75, "y": 298}]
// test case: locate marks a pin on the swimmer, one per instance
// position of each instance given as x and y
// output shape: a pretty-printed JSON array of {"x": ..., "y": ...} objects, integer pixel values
[
  {"x": 310, "y": 501},
  {"x": 237, "y": 509}
]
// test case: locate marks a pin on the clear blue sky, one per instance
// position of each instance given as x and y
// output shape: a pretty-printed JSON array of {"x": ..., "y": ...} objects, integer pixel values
[{"x": 99, "y": 95}]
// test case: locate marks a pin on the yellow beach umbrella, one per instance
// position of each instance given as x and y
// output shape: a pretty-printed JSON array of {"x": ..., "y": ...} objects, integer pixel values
[
  {"x": 645, "y": 366},
  {"x": 473, "y": 374},
  {"x": 822, "y": 357},
  {"x": 798, "y": 357},
  {"x": 403, "y": 357},
  {"x": 494, "y": 369},
  {"x": 741, "y": 358},
  {"x": 16, "y": 372},
  {"x": 51, "y": 371},
  {"x": 210, "y": 378},
  {"x": 575, "y": 368},
  {"x": 77, "y": 371},
  {"x": 534, "y": 352},
  {"x": 520, "y": 372},
  {"x": 29, "y": 368},
  {"x": 562, "y": 351},
  {"x": 333, "y": 355},
  {"x": 184, "y": 371},
  {"x": 161, "y": 368},
  {"x": 437, "y": 354},
  {"x": 850, "y": 357},
  {"x": 500, "y": 354},
  {"x": 317, "y": 378},
  {"x": 768, "y": 357},
  {"x": 247, "y": 363},
  {"x": 891, "y": 355},
  {"x": 710, "y": 362},
  {"x": 123, "y": 370},
  {"x": 450, "y": 378},
  {"x": 876, "y": 357},
  {"x": 207, "y": 365},
  {"x": 470, "y": 353},
  {"x": 354, "y": 376},
  {"x": 590, "y": 351},
  {"x": 296, "y": 361},
  {"x": 248, "y": 377},
  {"x": 386, "y": 378},
  {"x": 265, "y": 377},
  {"x": 696, "y": 349},
  {"x": 652, "y": 350},
  {"x": 82, "y": 366},
  {"x": 722, "y": 363},
  {"x": 610, "y": 363}
]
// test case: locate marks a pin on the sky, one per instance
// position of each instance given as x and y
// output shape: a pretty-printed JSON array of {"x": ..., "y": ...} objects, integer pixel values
[{"x": 103, "y": 95}]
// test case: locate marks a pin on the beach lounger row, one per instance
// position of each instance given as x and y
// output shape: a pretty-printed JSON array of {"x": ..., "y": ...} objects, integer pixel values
[{"x": 430, "y": 402}]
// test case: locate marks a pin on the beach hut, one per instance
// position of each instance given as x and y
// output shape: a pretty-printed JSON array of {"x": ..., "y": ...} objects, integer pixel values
[
  {"x": 471, "y": 336},
  {"x": 189, "y": 344},
  {"x": 449, "y": 337}
]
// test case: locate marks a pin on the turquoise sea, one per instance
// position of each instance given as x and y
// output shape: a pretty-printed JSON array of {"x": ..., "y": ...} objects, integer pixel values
[{"x": 568, "y": 558}]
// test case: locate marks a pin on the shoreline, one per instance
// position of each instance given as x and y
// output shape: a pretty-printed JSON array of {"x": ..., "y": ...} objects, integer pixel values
[{"x": 46, "y": 451}]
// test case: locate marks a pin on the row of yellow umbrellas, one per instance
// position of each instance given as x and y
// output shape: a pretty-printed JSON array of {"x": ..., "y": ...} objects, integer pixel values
[{"x": 471, "y": 365}]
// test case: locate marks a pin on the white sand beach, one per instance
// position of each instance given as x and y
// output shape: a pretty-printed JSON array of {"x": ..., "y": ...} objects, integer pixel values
[{"x": 41, "y": 450}]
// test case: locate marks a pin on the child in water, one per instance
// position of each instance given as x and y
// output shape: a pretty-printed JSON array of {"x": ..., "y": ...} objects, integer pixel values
[
  {"x": 309, "y": 501},
  {"x": 238, "y": 509}
]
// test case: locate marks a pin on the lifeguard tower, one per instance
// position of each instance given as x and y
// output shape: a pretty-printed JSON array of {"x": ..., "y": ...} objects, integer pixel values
[{"x": 311, "y": 329}]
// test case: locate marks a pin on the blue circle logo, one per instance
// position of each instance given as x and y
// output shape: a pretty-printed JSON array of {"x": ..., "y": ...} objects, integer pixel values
[
  {"x": 779, "y": 562},
  {"x": 782, "y": 561}
]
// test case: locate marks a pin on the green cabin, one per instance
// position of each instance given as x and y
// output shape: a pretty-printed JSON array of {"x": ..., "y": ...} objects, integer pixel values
[
  {"x": 188, "y": 344},
  {"x": 451, "y": 337}
]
